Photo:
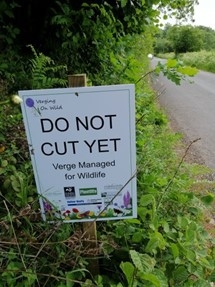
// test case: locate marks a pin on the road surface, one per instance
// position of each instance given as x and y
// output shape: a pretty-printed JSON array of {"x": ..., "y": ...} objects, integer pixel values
[{"x": 192, "y": 108}]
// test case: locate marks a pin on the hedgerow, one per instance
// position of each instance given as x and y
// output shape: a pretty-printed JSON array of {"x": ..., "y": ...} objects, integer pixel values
[{"x": 166, "y": 245}]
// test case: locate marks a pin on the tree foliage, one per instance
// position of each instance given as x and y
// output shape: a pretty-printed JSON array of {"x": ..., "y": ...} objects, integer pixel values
[
  {"x": 133, "y": 15},
  {"x": 208, "y": 38},
  {"x": 182, "y": 39},
  {"x": 185, "y": 39},
  {"x": 79, "y": 34}
]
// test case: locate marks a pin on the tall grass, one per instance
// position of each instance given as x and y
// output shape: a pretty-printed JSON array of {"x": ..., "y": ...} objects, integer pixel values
[{"x": 203, "y": 60}]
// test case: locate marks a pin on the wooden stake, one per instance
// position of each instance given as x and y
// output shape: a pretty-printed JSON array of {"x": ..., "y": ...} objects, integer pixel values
[
  {"x": 77, "y": 80},
  {"x": 89, "y": 228}
]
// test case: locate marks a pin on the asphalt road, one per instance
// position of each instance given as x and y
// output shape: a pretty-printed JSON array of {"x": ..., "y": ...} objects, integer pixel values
[{"x": 192, "y": 108}]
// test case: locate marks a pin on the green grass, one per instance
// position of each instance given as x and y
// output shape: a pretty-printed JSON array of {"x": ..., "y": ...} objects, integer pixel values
[{"x": 203, "y": 60}]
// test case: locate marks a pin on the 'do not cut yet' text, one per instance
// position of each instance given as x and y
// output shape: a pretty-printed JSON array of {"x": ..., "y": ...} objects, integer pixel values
[{"x": 75, "y": 125}]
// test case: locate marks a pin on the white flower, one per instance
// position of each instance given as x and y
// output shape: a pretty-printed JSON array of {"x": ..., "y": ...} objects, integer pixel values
[{"x": 16, "y": 99}]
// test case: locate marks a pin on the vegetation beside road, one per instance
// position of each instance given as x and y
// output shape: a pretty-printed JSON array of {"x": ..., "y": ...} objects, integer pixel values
[
  {"x": 202, "y": 60},
  {"x": 167, "y": 245},
  {"x": 195, "y": 46}
]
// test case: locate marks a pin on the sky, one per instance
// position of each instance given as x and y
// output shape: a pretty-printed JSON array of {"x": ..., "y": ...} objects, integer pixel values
[{"x": 204, "y": 14}]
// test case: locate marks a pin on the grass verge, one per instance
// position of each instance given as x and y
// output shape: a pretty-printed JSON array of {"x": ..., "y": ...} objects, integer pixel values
[{"x": 167, "y": 245}]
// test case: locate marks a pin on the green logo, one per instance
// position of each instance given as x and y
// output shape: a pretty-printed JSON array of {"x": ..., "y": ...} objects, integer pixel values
[{"x": 88, "y": 191}]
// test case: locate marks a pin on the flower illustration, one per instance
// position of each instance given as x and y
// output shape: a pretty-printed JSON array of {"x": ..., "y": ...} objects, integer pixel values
[
  {"x": 75, "y": 210},
  {"x": 85, "y": 214},
  {"x": 30, "y": 103},
  {"x": 66, "y": 214},
  {"x": 47, "y": 206},
  {"x": 127, "y": 199}
]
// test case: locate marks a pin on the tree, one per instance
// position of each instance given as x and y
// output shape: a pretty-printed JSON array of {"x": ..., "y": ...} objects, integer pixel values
[
  {"x": 208, "y": 37},
  {"x": 80, "y": 34},
  {"x": 162, "y": 44},
  {"x": 185, "y": 39},
  {"x": 33, "y": 19}
]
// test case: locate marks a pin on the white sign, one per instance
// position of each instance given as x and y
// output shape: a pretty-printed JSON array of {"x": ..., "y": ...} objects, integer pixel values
[{"x": 82, "y": 146}]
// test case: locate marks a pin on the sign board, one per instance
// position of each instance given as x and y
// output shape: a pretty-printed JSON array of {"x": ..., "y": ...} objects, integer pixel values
[{"x": 82, "y": 146}]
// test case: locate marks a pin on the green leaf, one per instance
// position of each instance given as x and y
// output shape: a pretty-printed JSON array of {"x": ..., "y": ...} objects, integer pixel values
[
  {"x": 4, "y": 163},
  {"x": 191, "y": 256},
  {"x": 152, "y": 245},
  {"x": 183, "y": 221},
  {"x": 175, "y": 250},
  {"x": 87, "y": 283},
  {"x": 162, "y": 181},
  {"x": 189, "y": 71},
  {"x": 128, "y": 269},
  {"x": 156, "y": 241},
  {"x": 133, "y": 221},
  {"x": 208, "y": 199},
  {"x": 171, "y": 63},
  {"x": 16, "y": 185},
  {"x": 162, "y": 277},
  {"x": 212, "y": 276},
  {"x": 147, "y": 199},
  {"x": 137, "y": 237},
  {"x": 180, "y": 274},
  {"x": 151, "y": 278},
  {"x": 190, "y": 234},
  {"x": 143, "y": 262},
  {"x": 136, "y": 260},
  {"x": 123, "y": 3},
  {"x": 30, "y": 275},
  {"x": 205, "y": 263},
  {"x": 202, "y": 283},
  {"x": 143, "y": 212}
]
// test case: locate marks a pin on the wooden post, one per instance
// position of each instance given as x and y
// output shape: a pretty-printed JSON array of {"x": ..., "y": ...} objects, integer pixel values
[
  {"x": 77, "y": 80},
  {"x": 89, "y": 228}
]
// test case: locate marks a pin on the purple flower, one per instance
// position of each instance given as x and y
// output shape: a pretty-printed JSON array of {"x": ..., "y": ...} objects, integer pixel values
[
  {"x": 47, "y": 206},
  {"x": 126, "y": 199},
  {"x": 29, "y": 102}
]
